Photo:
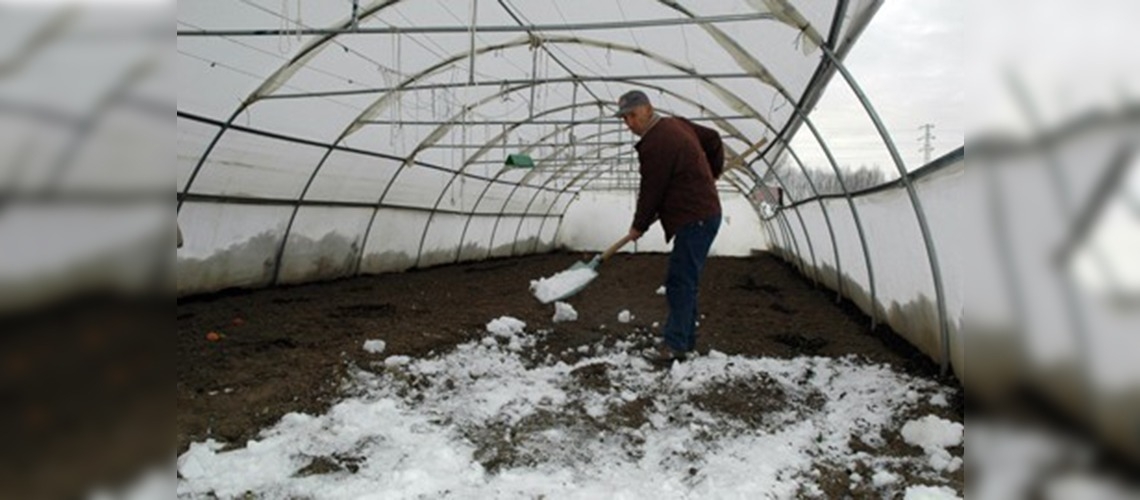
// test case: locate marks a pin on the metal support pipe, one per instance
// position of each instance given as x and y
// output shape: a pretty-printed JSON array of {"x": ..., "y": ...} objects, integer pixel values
[
  {"x": 851, "y": 206},
  {"x": 507, "y": 82},
  {"x": 250, "y": 200},
  {"x": 397, "y": 30},
  {"x": 826, "y": 220},
  {"x": 548, "y": 144},
  {"x": 916, "y": 204}
]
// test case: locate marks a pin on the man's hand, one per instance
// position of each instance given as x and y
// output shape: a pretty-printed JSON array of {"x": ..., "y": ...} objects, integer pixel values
[{"x": 634, "y": 234}]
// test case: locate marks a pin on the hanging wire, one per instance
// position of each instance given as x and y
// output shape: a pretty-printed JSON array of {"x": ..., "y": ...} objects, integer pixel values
[
  {"x": 636, "y": 42},
  {"x": 283, "y": 19},
  {"x": 300, "y": 23},
  {"x": 284, "y": 46}
]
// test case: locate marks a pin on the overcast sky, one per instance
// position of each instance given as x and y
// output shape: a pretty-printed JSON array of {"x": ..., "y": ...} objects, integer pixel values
[{"x": 910, "y": 62}]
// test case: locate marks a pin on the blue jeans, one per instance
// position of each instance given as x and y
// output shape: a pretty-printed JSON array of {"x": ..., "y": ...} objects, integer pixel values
[{"x": 690, "y": 249}]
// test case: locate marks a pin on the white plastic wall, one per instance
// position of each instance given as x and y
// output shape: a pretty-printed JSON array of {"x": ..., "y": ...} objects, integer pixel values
[
  {"x": 596, "y": 219},
  {"x": 1032, "y": 320}
]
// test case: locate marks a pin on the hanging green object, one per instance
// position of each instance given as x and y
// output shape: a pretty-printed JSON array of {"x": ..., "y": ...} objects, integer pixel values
[{"x": 520, "y": 160}]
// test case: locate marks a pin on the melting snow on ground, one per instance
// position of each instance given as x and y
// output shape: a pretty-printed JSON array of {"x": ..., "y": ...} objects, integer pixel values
[
  {"x": 558, "y": 286},
  {"x": 930, "y": 493},
  {"x": 497, "y": 417}
]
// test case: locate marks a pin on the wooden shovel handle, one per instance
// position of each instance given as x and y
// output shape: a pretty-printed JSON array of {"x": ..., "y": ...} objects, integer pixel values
[{"x": 615, "y": 247}]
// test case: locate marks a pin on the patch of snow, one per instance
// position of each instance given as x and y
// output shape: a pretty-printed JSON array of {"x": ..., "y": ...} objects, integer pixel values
[
  {"x": 661, "y": 290},
  {"x": 939, "y": 399},
  {"x": 547, "y": 290},
  {"x": 505, "y": 326},
  {"x": 931, "y": 493},
  {"x": 397, "y": 360},
  {"x": 884, "y": 478},
  {"x": 564, "y": 312},
  {"x": 424, "y": 431},
  {"x": 374, "y": 346},
  {"x": 624, "y": 316}
]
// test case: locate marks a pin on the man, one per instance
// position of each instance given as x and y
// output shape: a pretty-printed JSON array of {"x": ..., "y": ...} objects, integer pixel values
[{"x": 680, "y": 162}]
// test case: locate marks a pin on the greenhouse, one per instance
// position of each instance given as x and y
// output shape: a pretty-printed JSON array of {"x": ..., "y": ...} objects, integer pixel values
[{"x": 367, "y": 191}]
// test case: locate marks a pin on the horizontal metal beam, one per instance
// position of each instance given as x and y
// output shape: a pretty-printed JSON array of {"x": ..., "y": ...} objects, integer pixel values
[
  {"x": 313, "y": 143},
  {"x": 461, "y": 29},
  {"x": 509, "y": 83},
  {"x": 529, "y": 145},
  {"x": 604, "y": 119},
  {"x": 252, "y": 200},
  {"x": 583, "y": 160}
]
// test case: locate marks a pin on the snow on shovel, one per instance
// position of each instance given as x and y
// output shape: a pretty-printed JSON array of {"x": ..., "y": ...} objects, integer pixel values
[{"x": 566, "y": 283}]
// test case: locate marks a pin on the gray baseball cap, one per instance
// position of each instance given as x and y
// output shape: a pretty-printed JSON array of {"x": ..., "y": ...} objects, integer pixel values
[{"x": 630, "y": 100}]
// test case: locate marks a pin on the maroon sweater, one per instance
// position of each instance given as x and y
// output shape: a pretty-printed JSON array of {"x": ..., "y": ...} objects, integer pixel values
[{"x": 680, "y": 162}]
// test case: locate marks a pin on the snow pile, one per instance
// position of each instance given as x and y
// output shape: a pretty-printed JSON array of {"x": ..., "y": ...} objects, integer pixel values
[
  {"x": 624, "y": 316},
  {"x": 564, "y": 312},
  {"x": 489, "y": 420},
  {"x": 661, "y": 290},
  {"x": 505, "y": 326},
  {"x": 930, "y": 493},
  {"x": 562, "y": 284},
  {"x": 934, "y": 435},
  {"x": 374, "y": 346}
]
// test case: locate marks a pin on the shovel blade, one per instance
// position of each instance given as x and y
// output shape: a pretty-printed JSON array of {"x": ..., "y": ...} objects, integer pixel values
[{"x": 578, "y": 287}]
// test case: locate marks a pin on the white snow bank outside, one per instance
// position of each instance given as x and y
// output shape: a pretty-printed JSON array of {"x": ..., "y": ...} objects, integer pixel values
[
  {"x": 624, "y": 316},
  {"x": 930, "y": 493},
  {"x": 505, "y": 326},
  {"x": 555, "y": 287},
  {"x": 374, "y": 346},
  {"x": 564, "y": 312}
]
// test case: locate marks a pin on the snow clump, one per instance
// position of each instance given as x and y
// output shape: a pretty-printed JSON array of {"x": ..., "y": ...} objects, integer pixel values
[
  {"x": 564, "y": 312},
  {"x": 934, "y": 435},
  {"x": 624, "y": 316},
  {"x": 374, "y": 346},
  {"x": 505, "y": 326}
]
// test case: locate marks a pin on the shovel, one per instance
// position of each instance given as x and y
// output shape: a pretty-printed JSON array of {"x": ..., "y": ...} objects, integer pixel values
[{"x": 567, "y": 283}]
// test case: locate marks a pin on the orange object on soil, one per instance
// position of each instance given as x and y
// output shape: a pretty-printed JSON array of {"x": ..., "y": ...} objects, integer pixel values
[
  {"x": 214, "y": 336},
  {"x": 238, "y": 321}
]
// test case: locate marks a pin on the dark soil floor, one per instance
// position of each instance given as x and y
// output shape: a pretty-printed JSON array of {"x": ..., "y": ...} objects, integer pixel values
[{"x": 287, "y": 349}]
